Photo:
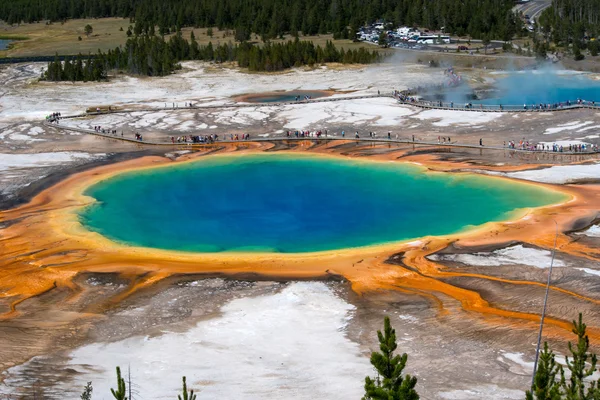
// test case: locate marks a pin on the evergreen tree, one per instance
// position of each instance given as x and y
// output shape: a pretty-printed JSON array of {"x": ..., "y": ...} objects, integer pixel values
[
  {"x": 242, "y": 33},
  {"x": 120, "y": 393},
  {"x": 186, "y": 396},
  {"x": 570, "y": 21},
  {"x": 382, "y": 41},
  {"x": 88, "y": 30},
  {"x": 546, "y": 384},
  {"x": 194, "y": 48},
  {"x": 486, "y": 42},
  {"x": 87, "y": 392},
  {"x": 581, "y": 365},
  {"x": 389, "y": 384},
  {"x": 540, "y": 50},
  {"x": 273, "y": 18},
  {"x": 593, "y": 47},
  {"x": 577, "y": 55}
]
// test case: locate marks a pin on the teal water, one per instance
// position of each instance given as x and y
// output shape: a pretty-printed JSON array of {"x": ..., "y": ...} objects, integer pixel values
[
  {"x": 294, "y": 203},
  {"x": 533, "y": 88},
  {"x": 4, "y": 44}
]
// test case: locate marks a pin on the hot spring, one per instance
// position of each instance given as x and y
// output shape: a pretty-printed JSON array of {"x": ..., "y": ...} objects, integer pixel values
[
  {"x": 296, "y": 203},
  {"x": 284, "y": 97},
  {"x": 533, "y": 87}
]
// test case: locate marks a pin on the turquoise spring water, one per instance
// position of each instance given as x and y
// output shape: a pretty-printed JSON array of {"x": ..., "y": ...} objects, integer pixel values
[
  {"x": 295, "y": 203},
  {"x": 534, "y": 87}
]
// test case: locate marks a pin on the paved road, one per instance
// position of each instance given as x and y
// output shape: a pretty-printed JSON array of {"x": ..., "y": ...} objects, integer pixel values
[{"x": 533, "y": 8}]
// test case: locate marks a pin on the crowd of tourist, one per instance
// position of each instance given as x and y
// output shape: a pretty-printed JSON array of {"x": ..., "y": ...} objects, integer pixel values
[
  {"x": 208, "y": 138},
  {"x": 557, "y": 106},
  {"x": 523, "y": 144},
  {"x": 305, "y": 134},
  {"x": 554, "y": 147},
  {"x": 100, "y": 129},
  {"x": 54, "y": 117},
  {"x": 411, "y": 99},
  {"x": 195, "y": 139}
]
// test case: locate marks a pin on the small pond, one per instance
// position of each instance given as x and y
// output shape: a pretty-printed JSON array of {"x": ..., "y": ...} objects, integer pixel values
[{"x": 4, "y": 44}]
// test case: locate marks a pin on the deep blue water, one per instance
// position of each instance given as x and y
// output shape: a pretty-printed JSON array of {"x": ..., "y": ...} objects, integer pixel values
[
  {"x": 284, "y": 97},
  {"x": 535, "y": 87},
  {"x": 294, "y": 203}
]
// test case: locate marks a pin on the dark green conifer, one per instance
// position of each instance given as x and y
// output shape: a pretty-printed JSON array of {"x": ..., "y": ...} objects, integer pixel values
[
  {"x": 87, "y": 392},
  {"x": 581, "y": 366},
  {"x": 186, "y": 395},
  {"x": 547, "y": 381},
  {"x": 390, "y": 383},
  {"x": 120, "y": 393}
]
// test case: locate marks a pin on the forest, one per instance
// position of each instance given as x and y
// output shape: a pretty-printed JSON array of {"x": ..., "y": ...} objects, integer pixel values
[
  {"x": 572, "y": 22},
  {"x": 154, "y": 56},
  {"x": 273, "y": 18}
]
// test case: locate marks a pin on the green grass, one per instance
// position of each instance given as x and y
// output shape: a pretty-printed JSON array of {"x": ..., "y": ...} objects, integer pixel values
[
  {"x": 14, "y": 37},
  {"x": 40, "y": 39}
]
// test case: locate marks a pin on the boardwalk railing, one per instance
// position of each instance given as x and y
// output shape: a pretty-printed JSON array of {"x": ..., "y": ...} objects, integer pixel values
[
  {"x": 176, "y": 106},
  {"x": 498, "y": 108},
  {"x": 401, "y": 97},
  {"x": 321, "y": 139},
  {"x": 408, "y": 97}
]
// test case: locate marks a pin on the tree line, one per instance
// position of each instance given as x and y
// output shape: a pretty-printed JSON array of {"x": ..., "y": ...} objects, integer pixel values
[
  {"x": 75, "y": 69},
  {"x": 273, "y": 18},
  {"x": 573, "y": 23},
  {"x": 153, "y": 56}
]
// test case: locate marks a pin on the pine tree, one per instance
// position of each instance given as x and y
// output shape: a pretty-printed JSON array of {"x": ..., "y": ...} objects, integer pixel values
[
  {"x": 88, "y": 30},
  {"x": 474, "y": 17},
  {"x": 186, "y": 396},
  {"x": 486, "y": 42},
  {"x": 577, "y": 55},
  {"x": 87, "y": 392},
  {"x": 382, "y": 41},
  {"x": 194, "y": 48},
  {"x": 120, "y": 393},
  {"x": 547, "y": 385},
  {"x": 389, "y": 384},
  {"x": 581, "y": 365}
]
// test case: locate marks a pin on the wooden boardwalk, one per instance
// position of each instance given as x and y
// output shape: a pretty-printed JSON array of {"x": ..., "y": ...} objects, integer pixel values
[
  {"x": 191, "y": 145},
  {"x": 330, "y": 138}
]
